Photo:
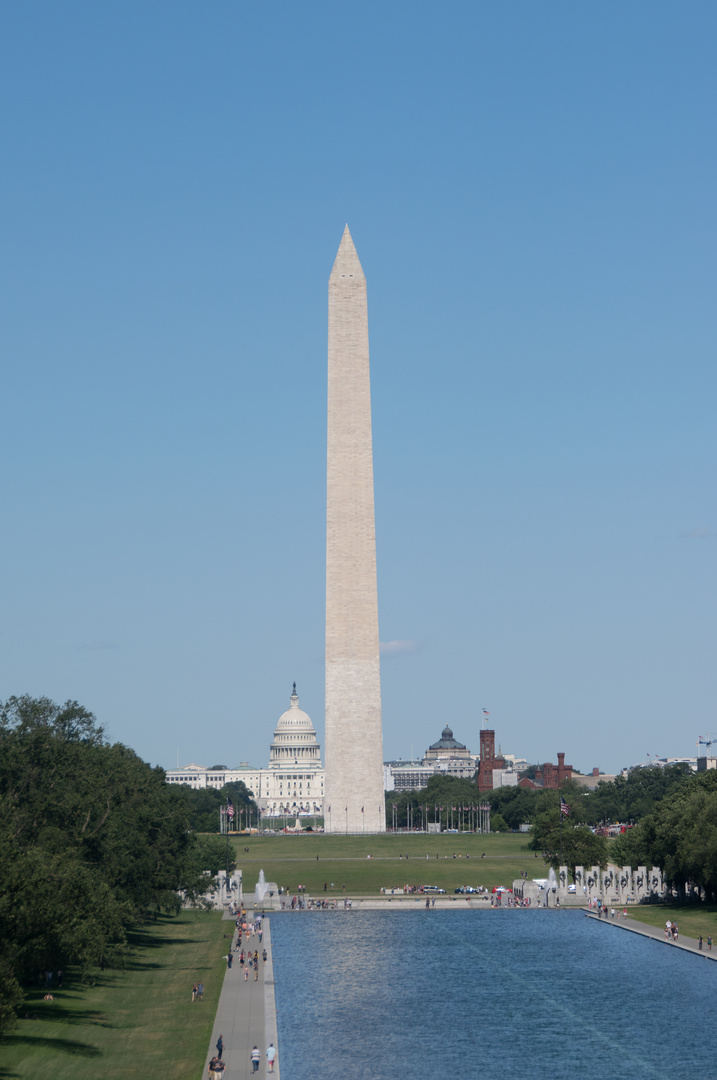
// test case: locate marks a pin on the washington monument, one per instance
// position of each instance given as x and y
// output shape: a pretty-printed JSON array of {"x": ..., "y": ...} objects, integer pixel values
[{"x": 354, "y": 799}]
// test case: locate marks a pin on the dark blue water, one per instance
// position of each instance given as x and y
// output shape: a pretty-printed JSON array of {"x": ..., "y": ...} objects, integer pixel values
[{"x": 418, "y": 995}]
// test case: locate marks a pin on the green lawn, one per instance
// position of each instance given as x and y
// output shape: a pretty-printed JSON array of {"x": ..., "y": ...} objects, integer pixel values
[
  {"x": 396, "y": 860},
  {"x": 692, "y": 919},
  {"x": 136, "y": 1022}
]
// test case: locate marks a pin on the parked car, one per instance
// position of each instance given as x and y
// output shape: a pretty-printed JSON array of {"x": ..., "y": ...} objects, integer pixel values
[{"x": 432, "y": 888}]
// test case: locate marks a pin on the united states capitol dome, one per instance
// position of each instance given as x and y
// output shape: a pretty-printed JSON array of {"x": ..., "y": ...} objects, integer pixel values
[{"x": 295, "y": 739}]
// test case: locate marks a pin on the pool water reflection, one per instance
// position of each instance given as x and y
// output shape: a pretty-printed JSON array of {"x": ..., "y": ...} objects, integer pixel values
[{"x": 419, "y": 994}]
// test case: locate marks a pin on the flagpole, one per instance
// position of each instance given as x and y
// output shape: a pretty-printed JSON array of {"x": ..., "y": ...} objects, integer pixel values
[
  {"x": 227, "y": 835},
  {"x": 562, "y": 815}
]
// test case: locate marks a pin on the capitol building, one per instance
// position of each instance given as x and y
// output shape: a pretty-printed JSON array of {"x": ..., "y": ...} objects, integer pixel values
[{"x": 293, "y": 783}]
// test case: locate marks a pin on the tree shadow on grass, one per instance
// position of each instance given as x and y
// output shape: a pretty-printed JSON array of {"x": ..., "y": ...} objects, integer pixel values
[
  {"x": 139, "y": 965},
  {"x": 145, "y": 939},
  {"x": 61, "y": 1010},
  {"x": 56, "y": 1014},
  {"x": 67, "y": 1046}
]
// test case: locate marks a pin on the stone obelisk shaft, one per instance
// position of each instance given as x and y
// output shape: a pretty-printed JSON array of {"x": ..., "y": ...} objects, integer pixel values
[{"x": 354, "y": 799}]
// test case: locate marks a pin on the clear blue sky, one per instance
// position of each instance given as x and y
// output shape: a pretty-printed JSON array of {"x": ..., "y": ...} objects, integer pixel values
[{"x": 531, "y": 189}]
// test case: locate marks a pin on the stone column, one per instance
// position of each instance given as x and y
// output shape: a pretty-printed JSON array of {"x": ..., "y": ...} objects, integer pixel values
[
  {"x": 626, "y": 882},
  {"x": 580, "y": 877},
  {"x": 641, "y": 885},
  {"x": 594, "y": 891},
  {"x": 563, "y": 882}
]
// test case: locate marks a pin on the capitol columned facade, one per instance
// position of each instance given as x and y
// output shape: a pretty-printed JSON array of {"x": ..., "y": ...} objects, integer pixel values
[{"x": 293, "y": 783}]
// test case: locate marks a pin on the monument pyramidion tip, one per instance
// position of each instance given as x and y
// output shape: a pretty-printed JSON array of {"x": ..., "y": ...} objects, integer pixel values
[{"x": 347, "y": 262}]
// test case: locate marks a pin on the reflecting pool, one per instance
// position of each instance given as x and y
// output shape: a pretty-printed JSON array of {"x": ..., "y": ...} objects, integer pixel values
[{"x": 417, "y": 995}]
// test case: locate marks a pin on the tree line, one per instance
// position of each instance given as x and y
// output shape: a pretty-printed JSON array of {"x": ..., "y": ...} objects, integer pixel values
[
  {"x": 93, "y": 841},
  {"x": 204, "y": 805},
  {"x": 625, "y": 799},
  {"x": 670, "y": 814},
  {"x": 679, "y": 835}
]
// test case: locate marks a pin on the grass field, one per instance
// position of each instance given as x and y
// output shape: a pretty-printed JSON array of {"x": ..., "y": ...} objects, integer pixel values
[
  {"x": 396, "y": 860},
  {"x": 136, "y": 1022},
  {"x": 692, "y": 919}
]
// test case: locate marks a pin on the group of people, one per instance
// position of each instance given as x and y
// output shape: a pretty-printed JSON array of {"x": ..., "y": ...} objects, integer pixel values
[
  {"x": 255, "y": 1057},
  {"x": 514, "y": 901},
  {"x": 250, "y": 962},
  {"x": 604, "y": 911},
  {"x": 247, "y": 961},
  {"x": 249, "y": 928},
  {"x": 217, "y": 1064}
]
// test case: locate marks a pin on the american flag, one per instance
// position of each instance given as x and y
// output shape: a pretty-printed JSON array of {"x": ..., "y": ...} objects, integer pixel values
[
  {"x": 564, "y": 808},
  {"x": 230, "y": 808},
  {"x": 362, "y": 809}
]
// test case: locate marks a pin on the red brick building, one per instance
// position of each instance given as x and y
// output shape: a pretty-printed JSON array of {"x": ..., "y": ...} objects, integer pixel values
[
  {"x": 488, "y": 760},
  {"x": 552, "y": 776}
]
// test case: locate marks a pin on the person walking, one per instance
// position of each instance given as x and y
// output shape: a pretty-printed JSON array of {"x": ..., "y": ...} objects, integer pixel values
[
  {"x": 271, "y": 1056},
  {"x": 255, "y": 1058},
  {"x": 699, "y": 942},
  {"x": 194, "y": 991},
  {"x": 216, "y": 1069},
  {"x": 230, "y": 961},
  {"x": 709, "y": 943},
  {"x": 200, "y": 991},
  {"x": 220, "y": 1045}
]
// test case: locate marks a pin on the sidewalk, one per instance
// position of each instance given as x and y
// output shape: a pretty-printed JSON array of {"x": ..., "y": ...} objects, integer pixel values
[
  {"x": 246, "y": 1014},
  {"x": 655, "y": 933}
]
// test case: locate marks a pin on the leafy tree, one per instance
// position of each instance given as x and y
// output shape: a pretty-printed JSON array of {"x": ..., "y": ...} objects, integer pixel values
[
  {"x": 520, "y": 806},
  {"x": 448, "y": 799},
  {"x": 92, "y": 841},
  {"x": 631, "y": 798},
  {"x": 576, "y": 844},
  {"x": 204, "y": 804},
  {"x": 680, "y": 836}
]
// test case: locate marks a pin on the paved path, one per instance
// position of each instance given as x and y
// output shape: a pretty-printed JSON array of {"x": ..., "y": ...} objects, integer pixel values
[
  {"x": 246, "y": 1014},
  {"x": 655, "y": 933}
]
